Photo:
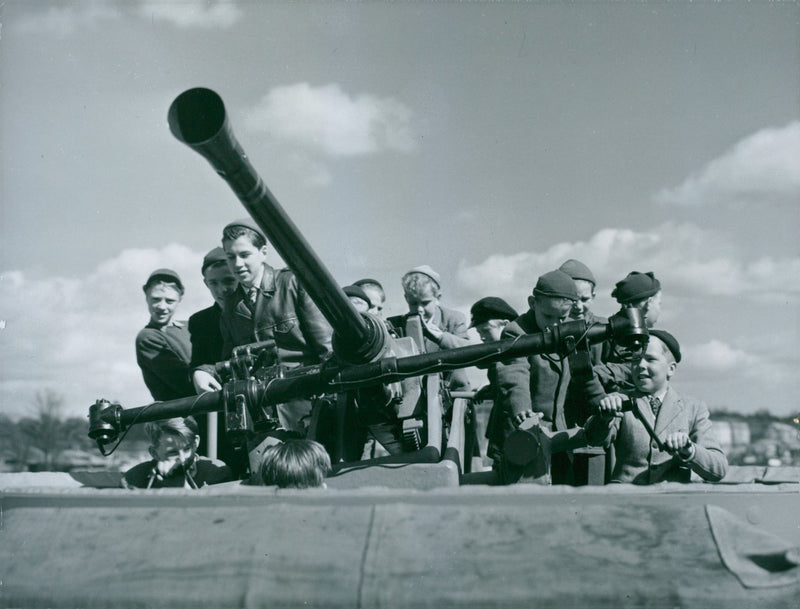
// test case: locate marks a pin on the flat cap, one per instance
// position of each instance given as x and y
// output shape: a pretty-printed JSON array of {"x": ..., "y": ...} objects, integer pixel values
[
  {"x": 368, "y": 281},
  {"x": 491, "y": 307},
  {"x": 357, "y": 292},
  {"x": 164, "y": 275},
  {"x": 215, "y": 256},
  {"x": 426, "y": 270},
  {"x": 556, "y": 284},
  {"x": 636, "y": 286},
  {"x": 578, "y": 270},
  {"x": 670, "y": 341},
  {"x": 246, "y": 222}
]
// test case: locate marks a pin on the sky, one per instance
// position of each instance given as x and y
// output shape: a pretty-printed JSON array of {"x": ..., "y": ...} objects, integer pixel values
[{"x": 492, "y": 141}]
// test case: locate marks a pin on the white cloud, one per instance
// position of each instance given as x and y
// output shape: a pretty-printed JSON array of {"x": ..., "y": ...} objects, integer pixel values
[
  {"x": 63, "y": 21},
  {"x": 193, "y": 13},
  {"x": 763, "y": 168},
  {"x": 77, "y": 335},
  {"x": 686, "y": 259},
  {"x": 328, "y": 120}
]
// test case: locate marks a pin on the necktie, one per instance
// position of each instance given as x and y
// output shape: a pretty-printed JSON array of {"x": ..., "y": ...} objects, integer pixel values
[
  {"x": 655, "y": 405},
  {"x": 252, "y": 294}
]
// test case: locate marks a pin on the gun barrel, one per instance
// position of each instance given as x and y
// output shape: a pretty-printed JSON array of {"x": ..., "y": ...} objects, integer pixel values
[{"x": 198, "y": 118}]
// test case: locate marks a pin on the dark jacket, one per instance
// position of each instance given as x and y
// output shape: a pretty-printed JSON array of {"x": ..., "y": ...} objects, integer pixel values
[
  {"x": 164, "y": 354},
  {"x": 206, "y": 336},
  {"x": 537, "y": 382},
  {"x": 284, "y": 312}
]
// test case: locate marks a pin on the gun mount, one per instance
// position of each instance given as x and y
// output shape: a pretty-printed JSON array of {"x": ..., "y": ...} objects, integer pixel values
[{"x": 366, "y": 358}]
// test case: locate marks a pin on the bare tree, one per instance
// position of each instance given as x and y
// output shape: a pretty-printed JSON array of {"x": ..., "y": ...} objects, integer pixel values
[{"x": 46, "y": 431}]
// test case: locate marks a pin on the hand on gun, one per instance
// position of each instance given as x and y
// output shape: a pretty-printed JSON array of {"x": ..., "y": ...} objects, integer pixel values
[{"x": 613, "y": 405}]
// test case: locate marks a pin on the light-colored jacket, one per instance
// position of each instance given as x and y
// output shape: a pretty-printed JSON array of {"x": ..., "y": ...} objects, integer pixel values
[{"x": 638, "y": 459}]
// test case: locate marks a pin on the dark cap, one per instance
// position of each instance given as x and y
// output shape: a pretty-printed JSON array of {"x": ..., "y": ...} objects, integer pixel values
[
  {"x": 636, "y": 286},
  {"x": 246, "y": 222},
  {"x": 368, "y": 281},
  {"x": 670, "y": 341},
  {"x": 426, "y": 270},
  {"x": 167, "y": 275},
  {"x": 578, "y": 270},
  {"x": 491, "y": 307},
  {"x": 357, "y": 292},
  {"x": 213, "y": 257},
  {"x": 556, "y": 284}
]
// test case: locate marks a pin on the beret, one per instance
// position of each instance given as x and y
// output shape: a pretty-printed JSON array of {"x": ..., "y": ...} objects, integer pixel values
[
  {"x": 246, "y": 222},
  {"x": 357, "y": 292},
  {"x": 556, "y": 284},
  {"x": 670, "y": 341},
  {"x": 491, "y": 307},
  {"x": 166, "y": 275},
  {"x": 426, "y": 270},
  {"x": 215, "y": 256},
  {"x": 578, "y": 270},
  {"x": 636, "y": 286},
  {"x": 368, "y": 281}
]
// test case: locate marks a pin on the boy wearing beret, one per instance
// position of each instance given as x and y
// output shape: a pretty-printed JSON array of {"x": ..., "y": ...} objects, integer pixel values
[
  {"x": 490, "y": 316},
  {"x": 163, "y": 348},
  {"x": 268, "y": 304},
  {"x": 665, "y": 436}
]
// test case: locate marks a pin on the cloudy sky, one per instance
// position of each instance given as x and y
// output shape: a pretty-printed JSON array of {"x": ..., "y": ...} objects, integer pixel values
[{"x": 489, "y": 140}]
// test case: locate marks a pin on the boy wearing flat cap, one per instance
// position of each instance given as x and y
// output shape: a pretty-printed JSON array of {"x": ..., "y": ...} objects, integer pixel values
[
  {"x": 206, "y": 335},
  {"x": 267, "y": 304},
  {"x": 490, "y": 316},
  {"x": 665, "y": 436},
  {"x": 163, "y": 348},
  {"x": 538, "y": 383},
  {"x": 443, "y": 328}
]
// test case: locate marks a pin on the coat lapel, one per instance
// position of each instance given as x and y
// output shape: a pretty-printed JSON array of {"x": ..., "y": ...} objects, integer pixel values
[{"x": 670, "y": 409}]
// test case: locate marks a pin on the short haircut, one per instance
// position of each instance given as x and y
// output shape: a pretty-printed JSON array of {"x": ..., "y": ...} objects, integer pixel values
[
  {"x": 155, "y": 282},
  {"x": 232, "y": 233},
  {"x": 295, "y": 464},
  {"x": 185, "y": 428},
  {"x": 417, "y": 283}
]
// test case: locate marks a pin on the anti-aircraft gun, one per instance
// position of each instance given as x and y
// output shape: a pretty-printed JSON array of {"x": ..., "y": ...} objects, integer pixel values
[{"x": 372, "y": 376}]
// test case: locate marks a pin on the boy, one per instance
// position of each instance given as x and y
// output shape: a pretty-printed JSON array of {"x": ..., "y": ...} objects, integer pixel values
[
  {"x": 358, "y": 296},
  {"x": 163, "y": 348},
  {"x": 268, "y": 304},
  {"x": 375, "y": 293},
  {"x": 683, "y": 440},
  {"x": 206, "y": 338},
  {"x": 295, "y": 464},
  {"x": 204, "y": 325},
  {"x": 175, "y": 463},
  {"x": 442, "y": 328},
  {"x": 490, "y": 316}
]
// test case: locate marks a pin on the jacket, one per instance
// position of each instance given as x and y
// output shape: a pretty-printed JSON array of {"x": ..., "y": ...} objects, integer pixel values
[{"x": 638, "y": 459}]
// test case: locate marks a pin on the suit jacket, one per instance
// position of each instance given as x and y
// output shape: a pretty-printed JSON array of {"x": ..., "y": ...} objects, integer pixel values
[
  {"x": 163, "y": 354},
  {"x": 206, "y": 336},
  {"x": 283, "y": 311},
  {"x": 638, "y": 458}
]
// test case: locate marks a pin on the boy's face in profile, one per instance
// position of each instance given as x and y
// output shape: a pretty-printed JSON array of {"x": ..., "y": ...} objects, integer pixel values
[
  {"x": 162, "y": 300},
  {"x": 220, "y": 281},
  {"x": 653, "y": 369},
  {"x": 424, "y": 303},
  {"x": 245, "y": 259},
  {"x": 172, "y": 451},
  {"x": 376, "y": 299}
]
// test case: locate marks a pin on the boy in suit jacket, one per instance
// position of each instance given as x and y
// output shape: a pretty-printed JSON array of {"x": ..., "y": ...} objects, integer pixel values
[{"x": 684, "y": 440}]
